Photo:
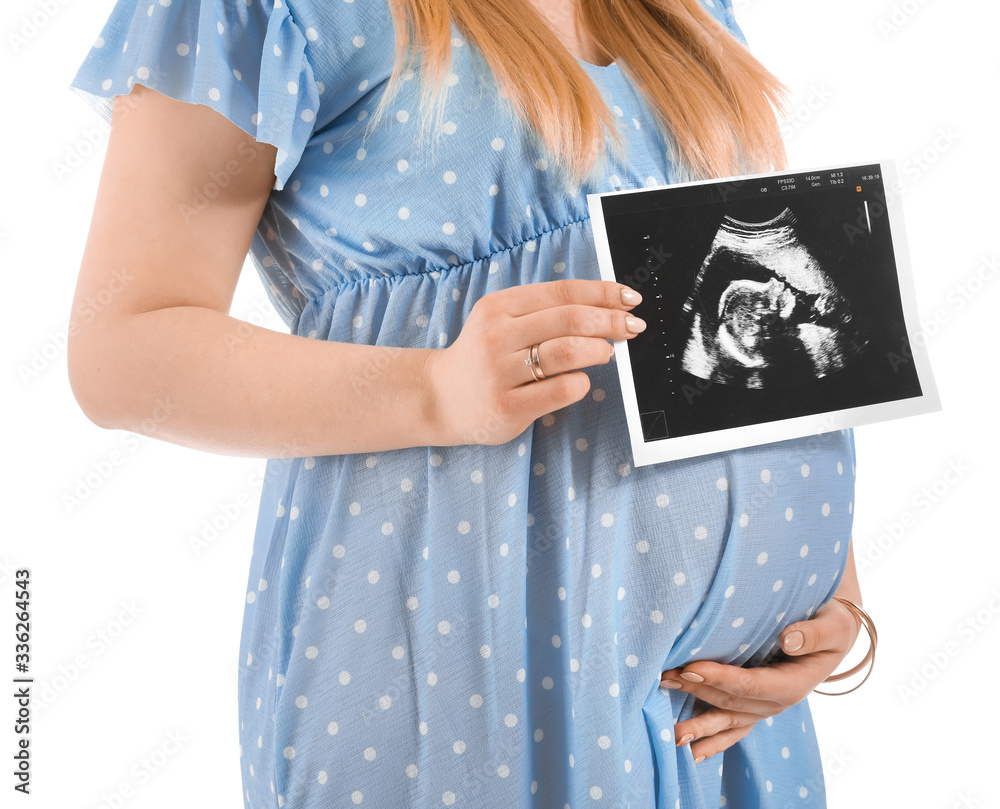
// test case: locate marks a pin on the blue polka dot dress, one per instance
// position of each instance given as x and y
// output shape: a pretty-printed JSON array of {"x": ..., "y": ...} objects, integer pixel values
[{"x": 477, "y": 626}]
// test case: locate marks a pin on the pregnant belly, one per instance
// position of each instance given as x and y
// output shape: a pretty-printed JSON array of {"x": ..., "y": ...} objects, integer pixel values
[{"x": 706, "y": 558}]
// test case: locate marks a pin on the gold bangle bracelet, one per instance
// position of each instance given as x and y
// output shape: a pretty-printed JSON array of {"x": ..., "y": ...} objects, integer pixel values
[{"x": 869, "y": 625}]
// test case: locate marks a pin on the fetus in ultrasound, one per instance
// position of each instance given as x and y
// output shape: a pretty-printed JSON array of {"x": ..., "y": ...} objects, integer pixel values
[{"x": 763, "y": 313}]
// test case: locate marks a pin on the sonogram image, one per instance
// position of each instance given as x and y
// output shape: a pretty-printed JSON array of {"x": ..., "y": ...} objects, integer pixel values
[{"x": 763, "y": 312}]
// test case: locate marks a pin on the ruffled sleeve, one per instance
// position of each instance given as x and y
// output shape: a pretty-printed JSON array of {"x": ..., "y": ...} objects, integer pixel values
[{"x": 246, "y": 59}]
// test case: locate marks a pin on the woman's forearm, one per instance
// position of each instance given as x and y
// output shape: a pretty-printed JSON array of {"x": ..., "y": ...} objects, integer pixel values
[{"x": 202, "y": 379}]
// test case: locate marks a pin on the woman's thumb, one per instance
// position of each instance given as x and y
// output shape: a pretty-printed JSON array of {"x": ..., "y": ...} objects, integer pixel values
[{"x": 820, "y": 632}]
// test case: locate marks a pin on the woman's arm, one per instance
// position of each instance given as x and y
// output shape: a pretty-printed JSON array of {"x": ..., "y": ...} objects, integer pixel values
[
  {"x": 153, "y": 349},
  {"x": 741, "y": 697}
]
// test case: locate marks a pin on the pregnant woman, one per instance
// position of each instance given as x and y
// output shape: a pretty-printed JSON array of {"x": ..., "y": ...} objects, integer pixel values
[{"x": 461, "y": 593}]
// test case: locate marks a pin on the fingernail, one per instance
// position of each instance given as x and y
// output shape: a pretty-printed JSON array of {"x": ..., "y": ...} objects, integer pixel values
[
  {"x": 690, "y": 676},
  {"x": 699, "y": 759},
  {"x": 612, "y": 349},
  {"x": 671, "y": 684},
  {"x": 630, "y": 297},
  {"x": 686, "y": 739},
  {"x": 793, "y": 641},
  {"x": 635, "y": 324}
]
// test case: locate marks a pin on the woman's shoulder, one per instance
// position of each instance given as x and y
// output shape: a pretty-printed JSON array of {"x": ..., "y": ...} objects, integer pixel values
[{"x": 278, "y": 71}]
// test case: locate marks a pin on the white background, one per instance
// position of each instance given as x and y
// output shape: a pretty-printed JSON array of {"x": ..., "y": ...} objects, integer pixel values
[{"x": 869, "y": 79}]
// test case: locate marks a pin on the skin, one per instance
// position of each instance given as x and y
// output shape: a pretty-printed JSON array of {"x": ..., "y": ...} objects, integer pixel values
[{"x": 162, "y": 357}]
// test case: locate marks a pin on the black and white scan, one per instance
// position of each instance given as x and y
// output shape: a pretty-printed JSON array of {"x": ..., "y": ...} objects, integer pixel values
[
  {"x": 763, "y": 308},
  {"x": 771, "y": 303}
]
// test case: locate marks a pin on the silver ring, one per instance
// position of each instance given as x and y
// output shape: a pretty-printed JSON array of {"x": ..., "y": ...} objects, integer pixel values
[{"x": 535, "y": 366}]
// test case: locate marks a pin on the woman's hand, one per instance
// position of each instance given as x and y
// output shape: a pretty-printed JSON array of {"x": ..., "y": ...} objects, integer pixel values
[
  {"x": 737, "y": 698},
  {"x": 484, "y": 393}
]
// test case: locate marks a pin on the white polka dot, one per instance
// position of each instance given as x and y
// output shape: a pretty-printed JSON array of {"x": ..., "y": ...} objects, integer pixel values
[
  {"x": 632, "y": 661},
  {"x": 744, "y": 519},
  {"x": 679, "y": 578},
  {"x": 656, "y": 617},
  {"x": 805, "y": 470},
  {"x": 453, "y": 576},
  {"x": 510, "y": 720},
  {"x": 642, "y": 546},
  {"x": 607, "y": 520},
  {"x": 476, "y": 701},
  {"x": 556, "y": 641},
  {"x": 765, "y": 475},
  {"x": 840, "y": 468},
  {"x": 730, "y": 590},
  {"x": 547, "y": 683},
  {"x": 722, "y": 484},
  {"x": 503, "y": 770},
  {"x": 497, "y": 144},
  {"x": 826, "y": 509},
  {"x": 444, "y": 627},
  {"x": 662, "y": 500},
  {"x": 357, "y": 796},
  {"x": 449, "y": 177},
  {"x": 459, "y": 747},
  {"x": 700, "y": 532},
  {"x": 788, "y": 513},
  {"x": 301, "y": 702},
  {"x": 360, "y": 625},
  {"x": 493, "y": 601},
  {"x": 761, "y": 557},
  {"x": 289, "y": 752},
  {"x": 628, "y": 766},
  {"x": 432, "y": 679},
  {"x": 595, "y": 571},
  {"x": 521, "y": 674},
  {"x": 398, "y": 652},
  {"x": 373, "y": 576},
  {"x": 484, "y": 651},
  {"x": 586, "y": 621},
  {"x": 412, "y": 603},
  {"x": 333, "y": 728},
  {"x": 621, "y": 593},
  {"x": 596, "y": 793},
  {"x": 504, "y": 549},
  {"x": 803, "y": 792},
  {"x": 412, "y": 770},
  {"x": 311, "y": 652},
  {"x": 448, "y": 228}
]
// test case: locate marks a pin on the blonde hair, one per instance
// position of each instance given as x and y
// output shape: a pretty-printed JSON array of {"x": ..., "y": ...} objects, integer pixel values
[{"x": 716, "y": 104}]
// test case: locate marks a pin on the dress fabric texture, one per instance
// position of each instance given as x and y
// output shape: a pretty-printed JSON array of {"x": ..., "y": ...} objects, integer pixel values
[{"x": 477, "y": 626}]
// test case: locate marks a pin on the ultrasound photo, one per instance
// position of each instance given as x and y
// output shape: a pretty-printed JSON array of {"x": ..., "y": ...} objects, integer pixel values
[
  {"x": 763, "y": 308},
  {"x": 776, "y": 306}
]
